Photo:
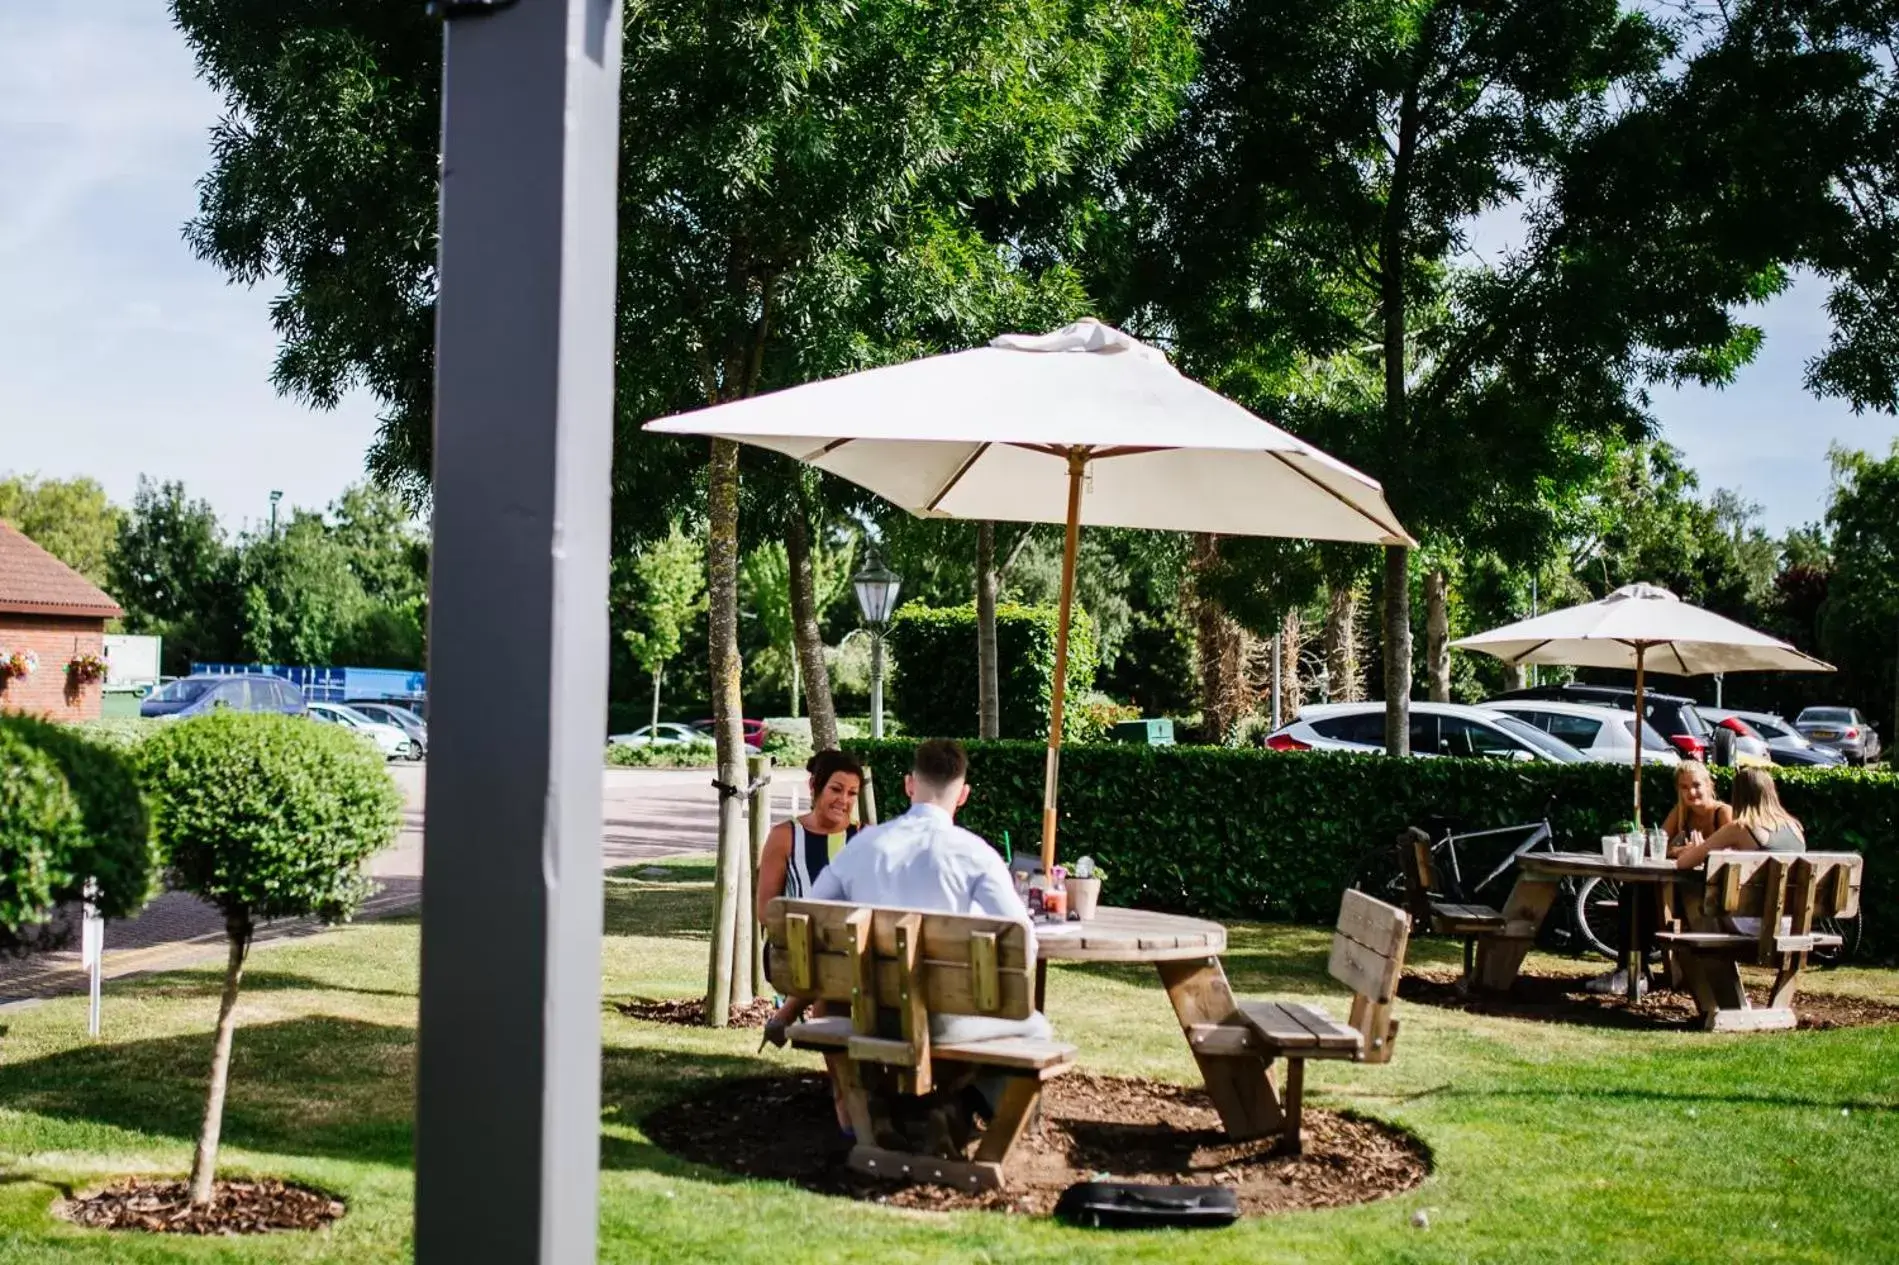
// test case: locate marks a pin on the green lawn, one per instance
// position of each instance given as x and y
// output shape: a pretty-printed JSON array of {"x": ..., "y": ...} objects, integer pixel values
[{"x": 1551, "y": 1143}]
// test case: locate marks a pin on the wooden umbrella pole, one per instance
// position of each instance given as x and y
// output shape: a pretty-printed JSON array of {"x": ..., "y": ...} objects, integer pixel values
[
  {"x": 1051, "y": 777},
  {"x": 1640, "y": 719}
]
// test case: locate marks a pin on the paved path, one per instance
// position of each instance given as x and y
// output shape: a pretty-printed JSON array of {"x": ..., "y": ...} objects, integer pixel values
[{"x": 646, "y": 813}]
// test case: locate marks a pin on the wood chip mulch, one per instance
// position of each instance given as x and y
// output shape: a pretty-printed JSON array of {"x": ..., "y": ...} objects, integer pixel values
[
  {"x": 690, "y": 1012},
  {"x": 1563, "y": 999},
  {"x": 237, "y": 1207},
  {"x": 1092, "y": 1128}
]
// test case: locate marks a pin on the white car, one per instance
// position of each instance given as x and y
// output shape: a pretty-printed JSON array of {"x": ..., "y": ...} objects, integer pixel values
[
  {"x": 1605, "y": 734},
  {"x": 663, "y": 735},
  {"x": 1437, "y": 729},
  {"x": 392, "y": 742}
]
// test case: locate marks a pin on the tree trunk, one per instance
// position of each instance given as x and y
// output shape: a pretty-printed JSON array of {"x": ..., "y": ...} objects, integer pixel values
[
  {"x": 1222, "y": 668},
  {"x": 727, "y": 711},
  {"x": 1344, "y": 670},
  {"x": 988, "y": 683},
  {"x": 807, "y": 638},
  {"x": 1512, "y": 676},
  {"x": 795, "y": 675},
  {"x": 1397, "y": 650},
  {"x": 656, "y": 672},
  {"x": 204, "y": 1162},
  {"x": 1437, "y": 634},
  {"x": 1292, "y": 694}
]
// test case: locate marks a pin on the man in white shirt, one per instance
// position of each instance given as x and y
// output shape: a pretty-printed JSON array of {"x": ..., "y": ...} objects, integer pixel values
[{"x": 924, "y": 860}]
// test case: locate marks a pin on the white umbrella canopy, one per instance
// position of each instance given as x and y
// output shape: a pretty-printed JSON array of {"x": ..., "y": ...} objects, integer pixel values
[
  {"x": 1641, "y": 627},
  {"x": 1082, "y": 426}
]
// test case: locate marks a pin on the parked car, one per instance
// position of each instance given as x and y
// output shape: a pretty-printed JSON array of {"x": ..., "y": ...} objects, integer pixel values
[
  {"x": 664, "y": 735},
  {"x": 1437, "y": 729},
  {"x": 1603, "y": 734},
  {"x": 391, "y": 741},
  {"x": 1673, "y": 716},
  {"x": 755, "y": 731},
  {"x": 395, "y": 714},
  {"x": 1785, "y": 744},
  {"x": 195, "y": 695},
  {"x": 1841, "y": 729}
]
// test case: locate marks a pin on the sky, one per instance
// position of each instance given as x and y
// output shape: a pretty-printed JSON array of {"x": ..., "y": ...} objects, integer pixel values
[{"x": 121, "y": 354}]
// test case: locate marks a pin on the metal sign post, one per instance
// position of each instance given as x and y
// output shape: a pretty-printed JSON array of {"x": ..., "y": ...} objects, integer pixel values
[
  {"x": 508, "y": 1064},
  {"x": 92, "y": 952}
]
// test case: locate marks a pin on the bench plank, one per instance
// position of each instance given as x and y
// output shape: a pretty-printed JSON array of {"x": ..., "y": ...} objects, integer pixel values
[
  {"x": 1331, "y": 1034},
  {"x": 1026, "y": 1053},
  {"x": 1278, "y": 1028}
]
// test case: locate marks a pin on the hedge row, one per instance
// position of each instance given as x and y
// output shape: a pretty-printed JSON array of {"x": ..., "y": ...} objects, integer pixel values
[
  {"x": 934, "y": 685},
  {"x": 1230, "y": 833}
]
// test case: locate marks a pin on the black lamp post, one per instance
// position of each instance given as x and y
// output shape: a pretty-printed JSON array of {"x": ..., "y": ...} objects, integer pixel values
[{"x": 876, "y": 587}]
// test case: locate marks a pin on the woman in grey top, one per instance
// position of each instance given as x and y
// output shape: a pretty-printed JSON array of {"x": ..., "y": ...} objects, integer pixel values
[{"x": 1760, "y": 823}]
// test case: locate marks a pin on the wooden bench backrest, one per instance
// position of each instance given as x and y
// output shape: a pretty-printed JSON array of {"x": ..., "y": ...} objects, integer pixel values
[
  {"x": 1770, "y": 886},
  {"x": 1420, "y": 873},
  {"x": 967, "y": 965},
  {"x": 1368, "y": 957}
]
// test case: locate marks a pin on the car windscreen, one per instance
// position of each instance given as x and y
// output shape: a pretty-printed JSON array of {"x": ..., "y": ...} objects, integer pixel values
[
  {"x": 1826, "y": 716},
  {"x": 1554, "y": 748},
  {"x": 1772, "y": 730},
  {"x": 188, "y": 690},
  {"x": 1652, "y": 739}
]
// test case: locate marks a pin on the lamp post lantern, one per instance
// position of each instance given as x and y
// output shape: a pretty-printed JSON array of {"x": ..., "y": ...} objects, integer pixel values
[
  {"x": 876, "y": 587},
  {"x": 275, "y": 496}
]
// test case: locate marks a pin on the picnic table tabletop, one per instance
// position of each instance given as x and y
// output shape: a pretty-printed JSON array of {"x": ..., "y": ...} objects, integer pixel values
[
  {"x": 1595, "y": 865},
  {"x": 1130, "y": 935}
]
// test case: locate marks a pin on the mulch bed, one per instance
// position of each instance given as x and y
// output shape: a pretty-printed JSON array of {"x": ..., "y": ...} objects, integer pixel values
[
  {"x": 1092, "y": 1128},
  {"x": 690, "y": 1012},
  {"x": 237, "y": 1207},
  {"x": 1563, "y": 999}
]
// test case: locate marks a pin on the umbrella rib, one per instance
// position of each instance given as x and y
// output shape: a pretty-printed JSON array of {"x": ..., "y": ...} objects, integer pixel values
[
  {"x": 1517, "y": 660},
  {"x": 1679, "y": 661},
  {"x": 1386, "y": 527},
  {"x": 956, "y": 478}
]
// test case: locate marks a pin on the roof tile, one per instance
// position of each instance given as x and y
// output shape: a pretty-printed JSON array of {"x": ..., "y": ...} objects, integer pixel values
[{"x": 34, "y": 582}]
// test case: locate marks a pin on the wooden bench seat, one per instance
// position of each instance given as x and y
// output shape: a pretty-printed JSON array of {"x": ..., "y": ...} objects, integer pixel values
[
  {"x": 894, "y": 969},
  {"x": 1431, "y": 910},
  {"x": 1367, "y": 956},
  {"x": 1786, "y": 893}
]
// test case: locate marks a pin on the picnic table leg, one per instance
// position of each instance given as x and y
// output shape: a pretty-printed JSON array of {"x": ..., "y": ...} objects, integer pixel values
[
  {"x": 1241, "y": 1085},
  {"x": 1631, "y": 907},
  {"x": 1500, "y": 957},
  {"x": 1041, "y": 984}
]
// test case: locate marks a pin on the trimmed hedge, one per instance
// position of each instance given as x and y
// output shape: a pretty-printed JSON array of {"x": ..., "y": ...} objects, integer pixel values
[
  {"x": 1228, "y": 833},
  {"x": 934, "y": 681}
]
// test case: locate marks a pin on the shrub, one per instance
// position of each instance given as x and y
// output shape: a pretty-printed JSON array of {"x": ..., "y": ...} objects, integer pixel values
[
  {"x": 1229, "y": 833},
  {"x": 264, "y": 817},
  {"x": 935, "y": 687},
  {"x": 680, "y": 755},
  {"x": 1094, "y": 718},
  {"x": 122, "y": 733},
  {"x": 73, "y": 811}
]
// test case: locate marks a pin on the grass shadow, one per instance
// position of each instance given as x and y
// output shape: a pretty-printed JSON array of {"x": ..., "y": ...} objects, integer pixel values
[
  {"x": 316, "y": 1085},
  {"x": 209, "y": 982},
  {"x": 668, "y": 910}
]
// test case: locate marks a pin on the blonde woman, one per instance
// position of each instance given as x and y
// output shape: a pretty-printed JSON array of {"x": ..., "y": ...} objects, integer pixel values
[
  {"x": 1759, "y": 823},
  {"x": 1697, "y": 814}
]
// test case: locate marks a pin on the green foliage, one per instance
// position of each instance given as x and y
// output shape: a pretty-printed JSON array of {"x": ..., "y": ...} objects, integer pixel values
[
  {"x": 664, "y": 587},
  {"x": 1229, "y": 833},
  {"x": 934, "y": 684},
  {"x": 675, "y": 755},
  {"x": 123, "y": 733},
  {"x": 115, "y": 844},
  {"x": 1860, "y": 617},
  {"x": 269, "y": 816},
  {"x": 171, "y": 572},
  {"x": 70, "y": 809},
  {"x": 69, "y": 518}
]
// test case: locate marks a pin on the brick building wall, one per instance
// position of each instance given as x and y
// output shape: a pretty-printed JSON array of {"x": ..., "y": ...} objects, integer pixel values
[{"x": 56, "y": 639}]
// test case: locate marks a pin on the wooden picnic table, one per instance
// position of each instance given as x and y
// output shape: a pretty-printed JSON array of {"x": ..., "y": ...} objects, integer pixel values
[
  {"x": 1186, "y": 955},
  {"x": 1646, "y": 887}
]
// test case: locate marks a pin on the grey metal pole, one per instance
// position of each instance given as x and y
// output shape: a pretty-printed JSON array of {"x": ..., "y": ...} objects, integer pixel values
[
  {"x": 508, "y": 1070},
  {"x": 1278, "y": 654},
  {"x": 876, "y": 682}
]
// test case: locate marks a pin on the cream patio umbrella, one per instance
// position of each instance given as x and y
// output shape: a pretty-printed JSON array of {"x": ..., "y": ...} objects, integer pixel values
[
  {"x": 1085, "y": 425},
  {"x": 1642, "y": 627}
]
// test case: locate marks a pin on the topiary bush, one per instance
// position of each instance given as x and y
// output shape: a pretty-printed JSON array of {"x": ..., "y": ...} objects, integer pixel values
[
  {"x": 264, "y": 817},
  {"x": 1230, "y": 833},
  {"x": 663, "y": 755},
  {"x": 934, "y": 684},
  {"x": 103, "y": 829}
]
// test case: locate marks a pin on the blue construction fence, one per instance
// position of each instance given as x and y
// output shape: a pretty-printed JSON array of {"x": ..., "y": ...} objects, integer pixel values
[{"x": 333, "y": 685}]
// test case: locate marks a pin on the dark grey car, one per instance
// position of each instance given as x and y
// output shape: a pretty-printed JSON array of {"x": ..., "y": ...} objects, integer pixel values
[
  {"x": 1843, "y": 729},
  {"x": 1786, "y": 745}
]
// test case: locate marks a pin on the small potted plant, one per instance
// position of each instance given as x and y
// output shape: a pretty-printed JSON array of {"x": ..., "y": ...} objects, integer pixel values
[
  {"x": 1084, "y": 888},
  {"x": 84, "y": 669}
]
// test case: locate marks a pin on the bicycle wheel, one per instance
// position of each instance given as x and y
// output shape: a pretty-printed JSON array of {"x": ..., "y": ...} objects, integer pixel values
[
  {"x": 1380, "y": 873},
  {"x": 1848, "y": 929},
  {"x": 1598, "y": 916}
]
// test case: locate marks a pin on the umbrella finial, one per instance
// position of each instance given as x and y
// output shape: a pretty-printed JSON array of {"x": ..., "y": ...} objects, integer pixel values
[{"x": 1642, "y": 592}]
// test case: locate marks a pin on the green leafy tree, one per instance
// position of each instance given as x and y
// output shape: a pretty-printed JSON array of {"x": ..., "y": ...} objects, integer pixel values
[
  {"x": 664, "y": 587},
  {"x": 69, "y": 518},
  {"x": 264, "y": 817},
  {"x": 1861, "y": 613},
  {"x": 387, "y": 550},
  {"x": 301, "y": 596},
  {"x": 172, "y": 571}
]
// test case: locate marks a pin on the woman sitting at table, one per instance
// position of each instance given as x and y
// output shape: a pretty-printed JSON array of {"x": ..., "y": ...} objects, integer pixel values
[
  {"x": 797, "y": 851},
  {"x": 1759, "y": 823},
  {"x": 1697, "y": 814}
]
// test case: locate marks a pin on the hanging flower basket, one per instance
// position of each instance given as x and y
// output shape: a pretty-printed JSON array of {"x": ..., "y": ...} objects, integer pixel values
[
  {"x": 17, "y": 663},
  {"x": 84, "y": 669}
]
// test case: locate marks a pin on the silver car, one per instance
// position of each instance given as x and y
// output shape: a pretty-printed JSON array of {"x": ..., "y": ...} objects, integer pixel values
[
  {"x": 1437, "y": 729},
  {"x": 1843, "y": 729}
]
